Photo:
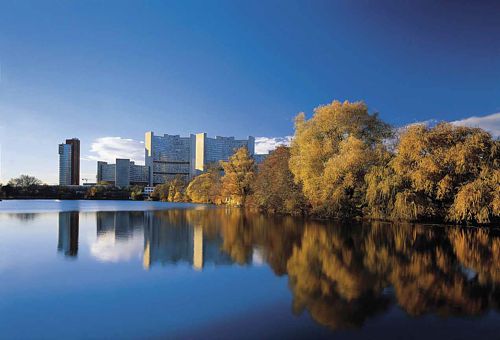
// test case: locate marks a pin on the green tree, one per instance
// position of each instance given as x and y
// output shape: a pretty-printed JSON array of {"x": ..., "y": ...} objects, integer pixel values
[
  {"x": 239, "y": 173},
  {"x": 274, "y": 188},
  {"x": 332, "y": 152}
]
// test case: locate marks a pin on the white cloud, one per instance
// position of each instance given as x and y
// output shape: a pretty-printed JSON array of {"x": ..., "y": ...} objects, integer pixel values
[
  {"x": 265, "y": 144},
  {"x": 490, "y": 123},
  {"x": 106, "y": 248},
  {"x": 109, "y": 148}
]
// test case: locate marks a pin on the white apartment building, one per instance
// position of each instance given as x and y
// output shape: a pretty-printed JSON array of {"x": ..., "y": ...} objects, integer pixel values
[
  {"x": 168, "y": 156},
  {"x": 171, "y": 156}
]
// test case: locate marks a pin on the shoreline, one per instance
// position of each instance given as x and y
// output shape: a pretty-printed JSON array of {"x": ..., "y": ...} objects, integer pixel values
[{"x": 443, "y": 224}]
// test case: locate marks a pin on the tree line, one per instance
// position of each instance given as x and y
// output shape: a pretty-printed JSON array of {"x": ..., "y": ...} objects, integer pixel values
[{"x": 344, "y": 162}]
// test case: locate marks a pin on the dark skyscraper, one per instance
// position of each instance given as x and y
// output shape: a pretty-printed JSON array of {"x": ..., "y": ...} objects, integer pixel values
[{"x": 75, "y": 160}]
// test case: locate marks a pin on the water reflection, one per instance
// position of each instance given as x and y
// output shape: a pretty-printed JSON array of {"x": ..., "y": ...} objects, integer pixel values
[
  {"x": 68, "y": 233},
  {"x": 342, "y": 275}
]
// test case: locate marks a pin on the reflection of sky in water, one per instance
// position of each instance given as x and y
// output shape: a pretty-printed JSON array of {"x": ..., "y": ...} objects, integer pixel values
[
  {"x": 107, "y": 248},
  {"x": 216, "y": 273}
]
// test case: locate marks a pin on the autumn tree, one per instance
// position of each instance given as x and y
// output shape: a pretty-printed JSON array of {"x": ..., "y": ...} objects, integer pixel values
[
  {"x": 172, "y": 191},
  {"x": 176, "y": 190},
  {"x": 447, "y": 171},
  {"x": 382, "y": 185},
  {"x": 205, "y": 188},
  {"x": 239, "y": 173},
  {"x": 332, "y": 152},
  {"x": 274, "y": 188},
  {"x": 136, "y": 192}
]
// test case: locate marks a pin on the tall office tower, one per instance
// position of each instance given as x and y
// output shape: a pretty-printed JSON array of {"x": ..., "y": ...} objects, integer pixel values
[
  {"x": 75, "y": 160},
  {"x": 64, "y": 164},
  {"x": 69, "y": 162}
]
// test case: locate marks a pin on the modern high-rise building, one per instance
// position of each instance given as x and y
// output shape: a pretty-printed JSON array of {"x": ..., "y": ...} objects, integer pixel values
[
  {"x": 212, "y": 150},
  {"x": 171, "y": 156},
  {"x": 69, "y": 162},
  {"x": 64, "y": 164}
]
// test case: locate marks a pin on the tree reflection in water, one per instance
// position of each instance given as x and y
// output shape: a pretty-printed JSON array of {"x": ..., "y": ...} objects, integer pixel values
[{"x": 341, "y": 275}]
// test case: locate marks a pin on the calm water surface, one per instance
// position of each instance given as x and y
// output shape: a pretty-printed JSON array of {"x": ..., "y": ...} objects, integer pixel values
[{"x": 89, "y": 269}]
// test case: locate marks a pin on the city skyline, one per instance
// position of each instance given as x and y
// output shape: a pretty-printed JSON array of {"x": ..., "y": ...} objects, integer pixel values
[{"x": 105, "y": 72}]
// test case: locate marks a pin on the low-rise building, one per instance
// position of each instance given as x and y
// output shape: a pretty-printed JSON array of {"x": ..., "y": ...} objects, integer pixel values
[{"x": 122, "y": 174}]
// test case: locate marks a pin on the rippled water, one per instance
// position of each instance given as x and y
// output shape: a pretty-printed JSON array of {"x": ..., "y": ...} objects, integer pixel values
[{"x": 90, "y": 269}]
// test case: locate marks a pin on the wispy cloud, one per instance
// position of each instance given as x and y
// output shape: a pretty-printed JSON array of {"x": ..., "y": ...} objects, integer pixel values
[
  {"x": 490, "y": 123},
  {"x": 265, "y": 144},
  {"x": 109, "y": 148}
]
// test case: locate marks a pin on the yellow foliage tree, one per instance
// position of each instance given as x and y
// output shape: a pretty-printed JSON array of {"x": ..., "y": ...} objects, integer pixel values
[
  {"x": 239, "y": 173},
  {"x": 172, "y": 191},
  {"x": 205, "y": 188},
  {"x": 332, "y": 152},
  {"x": 447, "y": 171}
]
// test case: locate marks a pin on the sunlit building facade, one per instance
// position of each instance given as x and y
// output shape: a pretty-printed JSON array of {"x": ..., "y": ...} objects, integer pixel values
[{"x": 173, "y": 156}]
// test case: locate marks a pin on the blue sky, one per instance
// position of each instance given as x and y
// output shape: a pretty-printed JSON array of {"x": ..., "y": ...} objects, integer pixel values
[{"x": 101, "y": 69}]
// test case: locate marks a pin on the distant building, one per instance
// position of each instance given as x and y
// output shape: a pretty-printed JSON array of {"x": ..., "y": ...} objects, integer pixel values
[
  {"x": 171, "y": 156},
  {"x": 148, "y": 191},
  {"x": 69, "y": 162},
  {"x": 213, "y": 150},
  {"x": 64, "y": 164},
  {"x": 259, "y": 158},
  {"x": 122, "y": 174}
]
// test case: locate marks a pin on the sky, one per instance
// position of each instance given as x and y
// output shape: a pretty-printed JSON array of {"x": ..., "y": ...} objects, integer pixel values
[{"x": 108, "y": 71}]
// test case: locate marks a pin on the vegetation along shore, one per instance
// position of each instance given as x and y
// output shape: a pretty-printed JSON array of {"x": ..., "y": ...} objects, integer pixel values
[{"x": 345, "y": 163}]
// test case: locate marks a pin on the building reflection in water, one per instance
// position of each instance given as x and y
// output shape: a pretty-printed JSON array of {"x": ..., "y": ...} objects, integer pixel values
[
  {"x": 342, "y": 275},
  {"x": 166, "y": 237},
  {"x": 68, "y": 233},
  {"x": 170, "y": 238}
]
